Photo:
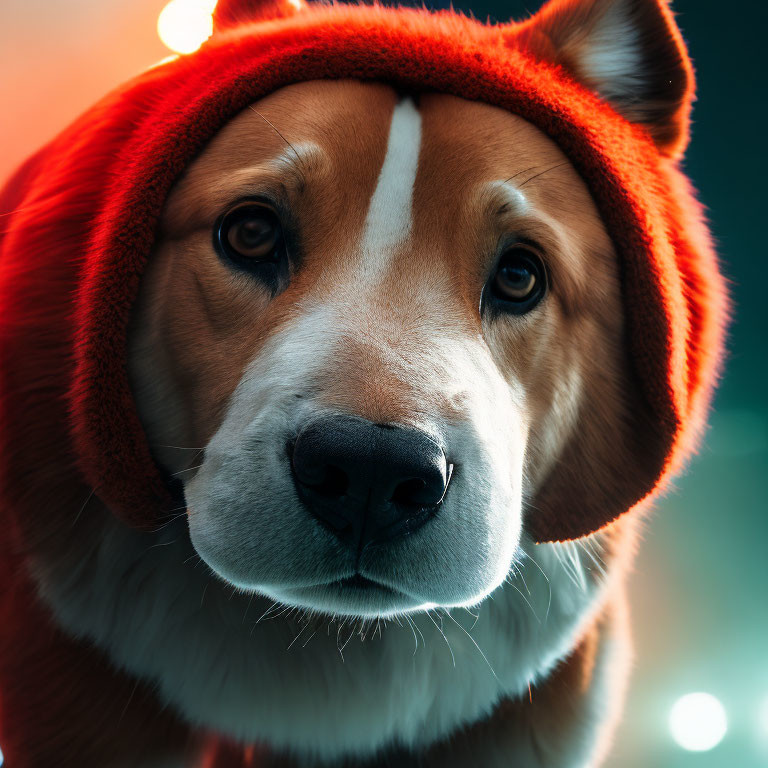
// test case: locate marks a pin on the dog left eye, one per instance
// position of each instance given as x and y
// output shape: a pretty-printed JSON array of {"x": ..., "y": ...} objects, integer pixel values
[{"x": 250, "y": 232}]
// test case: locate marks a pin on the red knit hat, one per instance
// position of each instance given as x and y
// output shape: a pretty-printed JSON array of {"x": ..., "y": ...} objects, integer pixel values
[{"x": 80, "y": 219}]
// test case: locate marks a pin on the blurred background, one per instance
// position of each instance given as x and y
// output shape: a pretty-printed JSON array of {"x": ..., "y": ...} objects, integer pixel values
[{"x": 700, "y": 588}]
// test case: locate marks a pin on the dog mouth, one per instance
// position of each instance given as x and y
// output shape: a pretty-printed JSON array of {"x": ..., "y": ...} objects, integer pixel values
[
  {"x": 359, "y": 585},
  {"x": 358, "y": 582},
  {"x": 354, "y": 595}
]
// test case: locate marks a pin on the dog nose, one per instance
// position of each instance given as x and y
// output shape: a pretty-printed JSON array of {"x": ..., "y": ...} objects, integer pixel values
[{"x": 369, "y": 482}]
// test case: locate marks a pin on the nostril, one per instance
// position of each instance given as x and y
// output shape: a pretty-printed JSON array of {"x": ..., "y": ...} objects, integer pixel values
[
  {"x": 334, "y": 485},
  {"x": 426, "y": 491},
  {"x": 324, "y": 479},
  {"x": 411, "y": 493}
]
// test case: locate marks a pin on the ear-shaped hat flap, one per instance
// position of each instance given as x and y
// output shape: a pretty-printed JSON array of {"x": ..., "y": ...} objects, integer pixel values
[
  {"x": 610, "y": 462},
  {"x": 638, "y": 418},
  {"x": 230, "y": 13},
  {"x": 630, "y": 52},
  {"x": 645, "y": 391}
]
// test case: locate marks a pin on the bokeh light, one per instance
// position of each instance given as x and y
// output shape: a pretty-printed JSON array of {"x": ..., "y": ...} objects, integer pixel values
[
  {"x": 698, "y": 722},
  {"x": 762, "y": 725},
  {"x": 184, "y": 25}
]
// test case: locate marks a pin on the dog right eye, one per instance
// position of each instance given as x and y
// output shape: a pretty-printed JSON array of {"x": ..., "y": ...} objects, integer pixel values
[
  {"x": 520, "y": 280},
  {"x": 250, "y": 234}
]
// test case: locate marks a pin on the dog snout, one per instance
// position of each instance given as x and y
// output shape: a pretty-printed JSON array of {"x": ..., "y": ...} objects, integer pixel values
[{"x": 368, "y": 482}]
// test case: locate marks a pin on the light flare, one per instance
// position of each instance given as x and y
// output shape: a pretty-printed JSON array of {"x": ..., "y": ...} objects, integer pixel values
[
  {"x": 698, "y": 722},
  {"x": 184, "y": 25}
]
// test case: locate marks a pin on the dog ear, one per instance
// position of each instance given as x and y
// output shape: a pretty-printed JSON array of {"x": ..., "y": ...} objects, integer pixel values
[
  {"x": 230, "y": 13},
  {"x": 610, "y": 464},
  {"x": 629, "y": 52}
]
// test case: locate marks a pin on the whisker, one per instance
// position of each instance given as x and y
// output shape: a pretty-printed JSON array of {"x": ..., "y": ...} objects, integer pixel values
[
  {"x": 346, "y": 642},
  {"x": 525, "y": 170},
  {"x": 271, "y": 125},
  {"x": 263, "y": 615},
  {"x": 596, "y": 548},
  {"x": 546, "y": 578},
  {"x": 418, "y": 629},
  {"x": 551, "y": 168},
  {"x": 474, "y": 642},
  {"x": 571, "y": 563},
  {"x": 476, "y": 617},
  {"x": 525, "y": 599},
  {"x": 188, "y": 469},
  {"x": 127, "y": 703},
  {"x": 180, "y": 447},
  {"x": 80, "y": 511},
  {"x": 447, "y": 642},
  {"x": 578, "y": 565},
  {"x": 287, "y": 611},
  {"x": 161, "y": 544},
  {"x": 173, "y": 519},
  {"x": 527, "y": 602},
  {"x": 599, "y": 564},
  {"x": 250, "y": 600},
  {"x": 415, "y": 639},
  {"x": 517, "y": 572},
  {"x": 301, "y": 632}
]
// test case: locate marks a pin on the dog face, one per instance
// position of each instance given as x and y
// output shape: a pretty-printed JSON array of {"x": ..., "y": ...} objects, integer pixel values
[{"x": 379, "y": 319}]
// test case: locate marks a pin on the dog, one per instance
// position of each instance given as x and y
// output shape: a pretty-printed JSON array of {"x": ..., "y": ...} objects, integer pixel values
[{"x": 380, "y": 329}]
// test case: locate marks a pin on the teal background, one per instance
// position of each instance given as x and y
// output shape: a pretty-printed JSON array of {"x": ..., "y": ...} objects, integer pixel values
[{"x": 700, "y": 586}]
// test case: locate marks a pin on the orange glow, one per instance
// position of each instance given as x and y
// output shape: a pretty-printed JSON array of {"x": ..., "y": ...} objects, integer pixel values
[{"x": 184, "y": 25}]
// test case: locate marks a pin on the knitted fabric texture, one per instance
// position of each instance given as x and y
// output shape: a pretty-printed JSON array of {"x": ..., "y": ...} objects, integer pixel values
[{"x": 80, "y": 219}]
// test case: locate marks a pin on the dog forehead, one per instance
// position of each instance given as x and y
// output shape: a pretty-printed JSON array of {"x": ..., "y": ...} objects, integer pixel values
[
  {"x": 383, "y": 184},
  {"x": 346, "y": 121},
  {"x": 350, "y": 124}
]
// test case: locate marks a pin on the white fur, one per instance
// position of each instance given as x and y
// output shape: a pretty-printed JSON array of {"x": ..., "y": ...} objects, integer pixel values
[
  {"x": 389, "y": 219},
  {"x": 246, "y": 520},
  {"x": 219, "y": 611},
  {"x": 613, "y": 60},
  {"x": 511, "y": 195},
  {"x": 297, "y": 155},
  {"x": 223, "y": 661},
  {"x": 318, "y": 690}
]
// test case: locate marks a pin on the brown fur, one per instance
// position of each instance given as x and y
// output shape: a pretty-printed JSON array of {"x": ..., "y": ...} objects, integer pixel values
[{"x": 197, "y": 327}]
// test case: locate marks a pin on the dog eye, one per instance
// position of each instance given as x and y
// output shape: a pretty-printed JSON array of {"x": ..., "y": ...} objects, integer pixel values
[
  {"x": 250, "y": 232},
  {"x": 520, "y": 280}
]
